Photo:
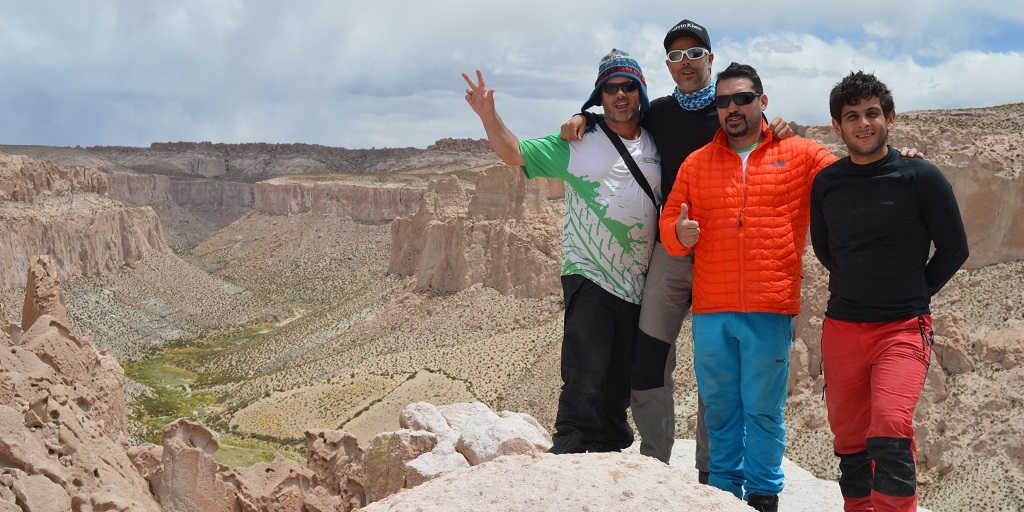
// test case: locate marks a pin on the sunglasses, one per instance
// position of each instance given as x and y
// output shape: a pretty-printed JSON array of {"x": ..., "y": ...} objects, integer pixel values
[
  {"x": 740, "y": 98},
  {"x": 611, "y": 89},
  {"x": 692, "y": 53}
]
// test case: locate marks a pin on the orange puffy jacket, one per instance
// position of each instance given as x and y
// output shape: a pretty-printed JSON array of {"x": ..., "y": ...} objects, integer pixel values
[{"x": 749, "y": 255}]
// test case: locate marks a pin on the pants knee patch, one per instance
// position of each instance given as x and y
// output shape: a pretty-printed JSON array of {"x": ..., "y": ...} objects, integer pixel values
[
  {"x": 649, "y": 358},
  {"x": 855, "y": 474},
  {"x": 895, "y": 472}
]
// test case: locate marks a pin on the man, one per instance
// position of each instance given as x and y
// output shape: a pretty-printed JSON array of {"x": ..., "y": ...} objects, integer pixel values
[
  {"x": 609, "y": 231},
  {"x": 745, "y": 197},
  {"x": 876, "y": 339},
  {"x": 680, "y": 123}
]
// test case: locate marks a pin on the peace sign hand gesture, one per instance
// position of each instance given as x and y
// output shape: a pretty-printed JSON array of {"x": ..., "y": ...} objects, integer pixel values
[{"x": 478, "y": 96}]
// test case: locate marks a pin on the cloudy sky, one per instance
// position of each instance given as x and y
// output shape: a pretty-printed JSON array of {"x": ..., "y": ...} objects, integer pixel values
[{"x": 378, "y": 73}]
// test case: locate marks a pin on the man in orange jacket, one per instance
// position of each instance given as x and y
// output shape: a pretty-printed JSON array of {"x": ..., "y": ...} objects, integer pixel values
[{"x": 745, "y": 197}]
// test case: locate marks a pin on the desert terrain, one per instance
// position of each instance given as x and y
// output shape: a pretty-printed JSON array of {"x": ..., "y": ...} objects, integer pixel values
[{"x": 266, "y": 290}]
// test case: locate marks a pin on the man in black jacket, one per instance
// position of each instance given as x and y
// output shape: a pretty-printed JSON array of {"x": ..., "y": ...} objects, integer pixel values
[
  {"x": 680, "y": 123},
  {"x": 874, "y": 219}
]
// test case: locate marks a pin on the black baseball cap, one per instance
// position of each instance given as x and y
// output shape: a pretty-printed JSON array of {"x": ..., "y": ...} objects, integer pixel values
[{"x": 687, "y": 28}]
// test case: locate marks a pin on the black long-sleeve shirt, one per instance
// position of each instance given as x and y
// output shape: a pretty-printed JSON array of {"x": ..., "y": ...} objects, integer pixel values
[
  {"x": 676, "y": 131},
  {"x": 872, "y": 227}
]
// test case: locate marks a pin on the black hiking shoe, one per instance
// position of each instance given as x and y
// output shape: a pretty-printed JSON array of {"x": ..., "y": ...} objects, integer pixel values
[
  {"x": 763, "y": 502},
  {"x": 702, "y": 477}
]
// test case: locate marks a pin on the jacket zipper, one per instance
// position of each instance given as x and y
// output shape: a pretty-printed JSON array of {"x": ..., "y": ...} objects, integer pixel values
[{"x": 743, "y": 248}]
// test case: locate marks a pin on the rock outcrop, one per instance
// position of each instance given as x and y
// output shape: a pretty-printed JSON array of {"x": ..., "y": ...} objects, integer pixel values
[
  {"x": 48, "y": 210},
  {"x": 148, "y": 190},
  {"x": 505, "y": 236},
  {"x": 63, "y": 442},
  {"x": 62, "y": 419},
  {"x": 139, "y": 189},
  {"x": 357, "y": 201},
  {"x": 437, "y": 440},
  {"x": 24, "y": 179},
  {"x": 213, "y": 193}
]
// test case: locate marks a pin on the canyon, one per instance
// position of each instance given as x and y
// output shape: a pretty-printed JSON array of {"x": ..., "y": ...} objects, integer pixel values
[{"x": 297, "y": 288}]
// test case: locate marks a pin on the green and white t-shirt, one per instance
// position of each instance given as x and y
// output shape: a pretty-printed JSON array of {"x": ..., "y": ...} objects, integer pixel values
[{"x": 610, "y": 223}]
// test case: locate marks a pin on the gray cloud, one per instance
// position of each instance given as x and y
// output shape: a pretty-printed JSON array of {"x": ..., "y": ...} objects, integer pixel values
[{"x": 375, "y": 74}]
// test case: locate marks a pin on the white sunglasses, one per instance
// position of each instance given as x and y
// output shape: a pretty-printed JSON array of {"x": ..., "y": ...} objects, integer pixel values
[{"x": 692, "y": 53}]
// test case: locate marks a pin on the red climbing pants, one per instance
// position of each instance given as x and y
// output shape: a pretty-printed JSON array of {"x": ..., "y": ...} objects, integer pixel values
[{"x": 874, "y": 376}]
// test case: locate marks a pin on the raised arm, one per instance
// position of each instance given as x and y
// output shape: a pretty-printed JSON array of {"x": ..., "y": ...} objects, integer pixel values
[{"x": 503, "y": 142}]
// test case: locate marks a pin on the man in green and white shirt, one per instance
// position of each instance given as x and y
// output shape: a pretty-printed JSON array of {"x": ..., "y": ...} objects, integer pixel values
[
  {"x": 607, "y": 239},
  {"x": 609, "y": 228}
]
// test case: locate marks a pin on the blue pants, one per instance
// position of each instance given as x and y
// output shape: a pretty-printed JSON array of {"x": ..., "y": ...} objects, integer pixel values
[{"x": 742, "y": 366}]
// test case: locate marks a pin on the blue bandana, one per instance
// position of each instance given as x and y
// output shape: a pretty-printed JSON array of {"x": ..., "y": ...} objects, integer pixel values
[{"x": 695, "y": 100}]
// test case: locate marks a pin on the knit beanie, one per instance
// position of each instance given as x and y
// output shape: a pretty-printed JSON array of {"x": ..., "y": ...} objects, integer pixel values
[{"x": 618, "y": 63}]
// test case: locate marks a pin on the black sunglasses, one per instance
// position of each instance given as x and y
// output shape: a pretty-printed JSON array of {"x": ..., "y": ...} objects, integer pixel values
[
  {"x": 740, "y": 98},
  {"x": 630, "y": 86}
]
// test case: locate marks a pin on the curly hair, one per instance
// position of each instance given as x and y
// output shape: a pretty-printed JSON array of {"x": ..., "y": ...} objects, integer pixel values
[{"x": 855, "y": 87}]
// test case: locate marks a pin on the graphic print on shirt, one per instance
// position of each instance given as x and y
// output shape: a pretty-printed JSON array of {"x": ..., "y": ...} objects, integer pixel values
[
  {"x": 609, "y": 225},
  {"x": 604, "y": 241}
]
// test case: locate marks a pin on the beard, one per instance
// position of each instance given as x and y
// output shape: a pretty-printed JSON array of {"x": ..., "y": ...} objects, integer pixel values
[
  {"x": 737, "y": 131},
  {"x": 624, "y": 117},
  {"x": 866, "y": 148}
]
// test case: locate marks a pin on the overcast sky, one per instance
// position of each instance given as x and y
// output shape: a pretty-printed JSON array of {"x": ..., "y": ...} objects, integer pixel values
[{"x": 378, "y": 73}]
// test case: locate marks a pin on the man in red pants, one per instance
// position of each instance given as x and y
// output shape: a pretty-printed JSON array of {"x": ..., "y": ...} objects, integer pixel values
[{"x": 874, "y": 219}]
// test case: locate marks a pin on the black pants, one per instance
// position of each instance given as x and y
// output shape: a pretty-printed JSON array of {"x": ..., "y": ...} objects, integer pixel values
[{"x": 597, "y": 353}]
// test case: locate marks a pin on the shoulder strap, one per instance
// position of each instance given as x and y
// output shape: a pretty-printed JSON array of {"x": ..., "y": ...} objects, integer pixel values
[{"x": 626, "y": 157}]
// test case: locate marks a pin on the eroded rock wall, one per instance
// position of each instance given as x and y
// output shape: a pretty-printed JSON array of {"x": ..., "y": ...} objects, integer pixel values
[
  {"x": 24, "y": 179},
  {"x": 62, "y": 414},
  {"x": 356, "y": 201},
  {"x": 62, "y": 212},
  {"x": 139, "y": 189},
  {"x": 505, "y": 235}
]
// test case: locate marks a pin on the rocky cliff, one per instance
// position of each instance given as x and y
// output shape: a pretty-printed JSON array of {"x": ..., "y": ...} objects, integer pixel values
[
  {"x": 46, "y": 209},
  {"x": 364, "y": 202},
  {"x": 62, "y": 414},
  {"x": 24, "y": 179},
  {"x": 505, "y": 236},
  {"x": 148, "y": 190}
]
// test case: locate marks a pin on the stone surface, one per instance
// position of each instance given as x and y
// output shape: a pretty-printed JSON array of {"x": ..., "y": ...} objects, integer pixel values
[
  {"x": 627, "y": 482},
  {"x": 386, "y": 459},
  {"x": 506, "y": 236},
  {"x": 62, "y": 425},
  {"x": 351, "y": 200},
  {"x": 192, "y": 479},
  {"x": 337, "y": 463},
  {"x": 277, "y": 486},
  {"x": 48, "y": 210},
  {"x": 43, "y": 296}
]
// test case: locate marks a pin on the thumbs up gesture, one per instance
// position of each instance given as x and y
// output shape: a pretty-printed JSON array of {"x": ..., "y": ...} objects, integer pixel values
[{"x": 687, "y": 230}]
